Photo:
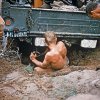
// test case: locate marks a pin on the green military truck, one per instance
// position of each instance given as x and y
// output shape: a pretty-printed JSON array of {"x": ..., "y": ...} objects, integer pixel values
[{"x": 24, "y": 22}]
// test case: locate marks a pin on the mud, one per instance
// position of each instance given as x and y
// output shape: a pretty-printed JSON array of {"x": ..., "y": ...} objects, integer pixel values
[{"x": 17, "y": 84}]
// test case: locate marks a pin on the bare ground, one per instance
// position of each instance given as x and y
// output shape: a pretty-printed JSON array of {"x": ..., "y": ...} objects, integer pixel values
[{"x": 17, "y": 84}]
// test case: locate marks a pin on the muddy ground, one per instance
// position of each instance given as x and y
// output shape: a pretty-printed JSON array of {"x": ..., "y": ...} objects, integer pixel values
[{"x": 17, "y": 84}]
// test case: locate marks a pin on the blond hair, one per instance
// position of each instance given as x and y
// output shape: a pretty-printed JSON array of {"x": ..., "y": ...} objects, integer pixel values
[{"x": 50, "y": 37}]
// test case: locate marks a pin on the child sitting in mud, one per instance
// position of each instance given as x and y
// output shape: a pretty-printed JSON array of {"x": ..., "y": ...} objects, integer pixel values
[{"x": 55, "y": 58}]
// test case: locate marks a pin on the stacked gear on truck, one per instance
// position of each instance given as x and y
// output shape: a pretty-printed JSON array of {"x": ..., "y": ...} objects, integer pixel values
[{"x": 77, "y": 3}]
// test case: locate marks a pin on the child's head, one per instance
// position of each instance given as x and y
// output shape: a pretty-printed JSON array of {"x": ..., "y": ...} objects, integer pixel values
[
  {"x": 50, "y": 37},
  {"x": 93, "y": 10}
]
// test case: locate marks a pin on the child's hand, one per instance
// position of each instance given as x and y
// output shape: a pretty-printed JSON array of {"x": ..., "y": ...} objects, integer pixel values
[{"x": 32, "y": 56}]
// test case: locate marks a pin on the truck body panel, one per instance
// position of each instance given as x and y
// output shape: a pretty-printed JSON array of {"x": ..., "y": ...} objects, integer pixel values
[{"x": 37, "y": 21}]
